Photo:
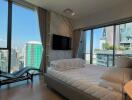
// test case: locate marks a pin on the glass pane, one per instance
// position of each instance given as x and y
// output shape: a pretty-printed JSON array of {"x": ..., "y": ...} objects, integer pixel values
[
  {"x": 26, "y": 42},
  {"x": 124, "y": 40},
  {"x": 87, "y": 55},
  {"x": 4, "y": 60},
  {"x": 3, "y": 23},
  {"x": 103, "y": 46}
]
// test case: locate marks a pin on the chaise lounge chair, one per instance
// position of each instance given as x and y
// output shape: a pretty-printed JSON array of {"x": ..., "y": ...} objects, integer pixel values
[{"x": 23, "y": 74}]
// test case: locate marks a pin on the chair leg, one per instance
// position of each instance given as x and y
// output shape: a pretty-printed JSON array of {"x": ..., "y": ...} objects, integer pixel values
[
  {"x": 0, "y": 83},
  {"x": 32, "y": 78},
  {"x": 27, "y": 78},
  {"x": 27, "y": 81},
  {"x": 8, "y": 86}
]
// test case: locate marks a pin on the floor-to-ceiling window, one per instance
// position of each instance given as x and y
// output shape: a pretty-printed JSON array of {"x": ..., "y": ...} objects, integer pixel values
[
  {"x": 103, "y": 46},
  {"x": 20, "y": 43},
  {"x": 27, "y": 51},
  {"x": 108, "y": 43},
  {"x": 3, "y": 35},
  {"x": 123, "y": 41},
  {"x": 88, "y": 44},
  {"x": 102, "y": 49}
]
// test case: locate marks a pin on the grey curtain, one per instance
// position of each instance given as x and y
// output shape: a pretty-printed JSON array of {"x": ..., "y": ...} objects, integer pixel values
[
  {"x": 42, "y": 16},
  {"x": 76, "y": 41},
  {"x": 78, "y": 44}
]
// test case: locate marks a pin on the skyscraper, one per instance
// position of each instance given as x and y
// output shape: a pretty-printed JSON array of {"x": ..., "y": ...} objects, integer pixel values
[
  {"x": 4, "y": 60},
  {"x": 14, "y": 60},
  {"x": 33, "y": 54},
  {"x": 123, "y": 36},
  {"x": 123, "y": 43}
]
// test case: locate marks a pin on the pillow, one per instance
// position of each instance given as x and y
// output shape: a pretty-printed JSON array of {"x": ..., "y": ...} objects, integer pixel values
[
  {"x": 123, "y": 62},
  {"x": 118, "y": 75},
  {"x": 66, "y": 64},
  {"x": 111, "y": 86}
]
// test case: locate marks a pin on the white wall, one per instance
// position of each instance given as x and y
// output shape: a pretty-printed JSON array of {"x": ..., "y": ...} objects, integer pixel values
[
  {"x": 108, "y": 15},
  {"x": 60, "y": 25}
]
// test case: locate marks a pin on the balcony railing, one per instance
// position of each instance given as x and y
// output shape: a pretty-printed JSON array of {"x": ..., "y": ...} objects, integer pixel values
[{"x": 104, "y": 59}]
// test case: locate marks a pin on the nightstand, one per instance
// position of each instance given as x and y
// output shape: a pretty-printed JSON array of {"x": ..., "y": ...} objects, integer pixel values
[
  {"x": 128, "y": 90},
  {"x": 126, "y": 97}
]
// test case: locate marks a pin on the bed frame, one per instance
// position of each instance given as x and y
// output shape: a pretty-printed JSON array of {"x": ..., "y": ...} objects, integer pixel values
[{"x": 66, "y": 90}]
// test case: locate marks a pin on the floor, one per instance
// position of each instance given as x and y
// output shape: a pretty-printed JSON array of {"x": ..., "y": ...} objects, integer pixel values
[{"x": 28, "y": 91}]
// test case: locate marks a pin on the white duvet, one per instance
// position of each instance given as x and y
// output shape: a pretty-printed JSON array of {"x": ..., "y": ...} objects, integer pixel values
[{"x": 86, "y": 79}]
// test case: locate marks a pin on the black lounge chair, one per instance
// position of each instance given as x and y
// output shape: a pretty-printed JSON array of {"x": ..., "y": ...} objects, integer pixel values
[{"x": 23, "y": 74}]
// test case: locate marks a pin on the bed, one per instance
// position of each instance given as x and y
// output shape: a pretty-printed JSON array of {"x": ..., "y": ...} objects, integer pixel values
[{"x": 81, "y": 83}]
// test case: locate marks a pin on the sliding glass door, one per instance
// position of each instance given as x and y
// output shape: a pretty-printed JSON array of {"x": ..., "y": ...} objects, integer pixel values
[
  {"x": 100, "y": 46},
  {"x": 108, "y": 43},
  {"x": 103, "y": 46},
  {"x": 123, "y": 40}
]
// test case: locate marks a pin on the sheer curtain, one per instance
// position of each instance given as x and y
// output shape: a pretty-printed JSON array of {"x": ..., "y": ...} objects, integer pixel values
[
  {"x": 43, "y": 25},
  {"x": 78, "y": 44},
  {"x": 82, "y": 46}
]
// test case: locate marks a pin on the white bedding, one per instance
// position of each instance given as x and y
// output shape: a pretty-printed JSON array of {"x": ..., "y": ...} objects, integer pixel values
[{"x": 86, "y": 79}]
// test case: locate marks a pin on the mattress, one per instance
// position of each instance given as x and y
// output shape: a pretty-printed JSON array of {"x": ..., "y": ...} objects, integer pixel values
[{"x": 86, "y": 79}]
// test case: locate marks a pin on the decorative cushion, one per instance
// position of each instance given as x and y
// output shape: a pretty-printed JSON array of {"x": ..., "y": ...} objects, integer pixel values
[
  {"x": 123, "y": 62},
  {"x": 118, "y": 75},
  {"x": 111, "y": 86},
  {"x": 66, "y": 64}
]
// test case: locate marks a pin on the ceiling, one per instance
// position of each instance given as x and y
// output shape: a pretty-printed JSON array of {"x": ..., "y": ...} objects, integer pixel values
[{"x": 82, "y": 8}]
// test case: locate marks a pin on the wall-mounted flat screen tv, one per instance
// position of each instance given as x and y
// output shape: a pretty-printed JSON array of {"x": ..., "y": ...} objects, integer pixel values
[{"x": 61, "y": 42}]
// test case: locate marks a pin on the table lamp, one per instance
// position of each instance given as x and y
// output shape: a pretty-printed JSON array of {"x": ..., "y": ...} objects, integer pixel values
[{"x": 128, "y": 88}]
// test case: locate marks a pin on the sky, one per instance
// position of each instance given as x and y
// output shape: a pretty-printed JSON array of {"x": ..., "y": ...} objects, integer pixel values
[
  {"x": 96, "y": 38},
  {"x": 24, "y": 25}
]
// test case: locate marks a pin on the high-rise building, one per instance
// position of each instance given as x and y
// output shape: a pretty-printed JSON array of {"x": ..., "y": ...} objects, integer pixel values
[
  {"x": 123, "y": 40},
  {"x": 123, "y": 36},
  {"x": 33, "y": 54},
  {"x": 107, "y": 36},
  {"x": 4, "y": 60},
  {"x": 14, "y": 60}
]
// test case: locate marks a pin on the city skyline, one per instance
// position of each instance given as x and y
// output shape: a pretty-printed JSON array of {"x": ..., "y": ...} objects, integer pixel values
[
  {"x": 103, "y": 44},
  {"x": 18, "y": 58},
  {"x": 25, "y": 29},
  {"x": 98, "y": 33}
]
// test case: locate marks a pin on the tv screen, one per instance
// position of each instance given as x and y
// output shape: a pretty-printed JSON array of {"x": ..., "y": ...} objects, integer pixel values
[{"x": 61, "y": 42}]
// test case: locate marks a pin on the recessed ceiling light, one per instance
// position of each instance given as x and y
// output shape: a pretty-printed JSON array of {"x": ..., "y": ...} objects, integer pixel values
[
  {"x": 73, "y": 14},
  {"x": 69, "y": 12}
]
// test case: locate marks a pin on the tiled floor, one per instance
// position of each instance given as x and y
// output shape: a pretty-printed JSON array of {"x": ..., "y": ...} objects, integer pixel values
[{"x": 28, "y": 91}]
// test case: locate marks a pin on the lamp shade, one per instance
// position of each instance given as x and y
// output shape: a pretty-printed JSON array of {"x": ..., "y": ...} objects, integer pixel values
[{"x": 128, "y": 88}]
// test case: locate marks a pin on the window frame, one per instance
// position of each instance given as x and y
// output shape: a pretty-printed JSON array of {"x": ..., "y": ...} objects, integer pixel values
[
  {"x": 9, "y": 26},
  {"x": 114, "y": 24}
]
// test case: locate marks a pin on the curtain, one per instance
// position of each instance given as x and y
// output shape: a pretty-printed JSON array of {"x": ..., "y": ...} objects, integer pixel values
[
  {"x": 78, "y": 44},
  {"x": 76, "y": 41},
  {"x": 82, "y": 46},
  {"x": 43, "y": 26}
]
